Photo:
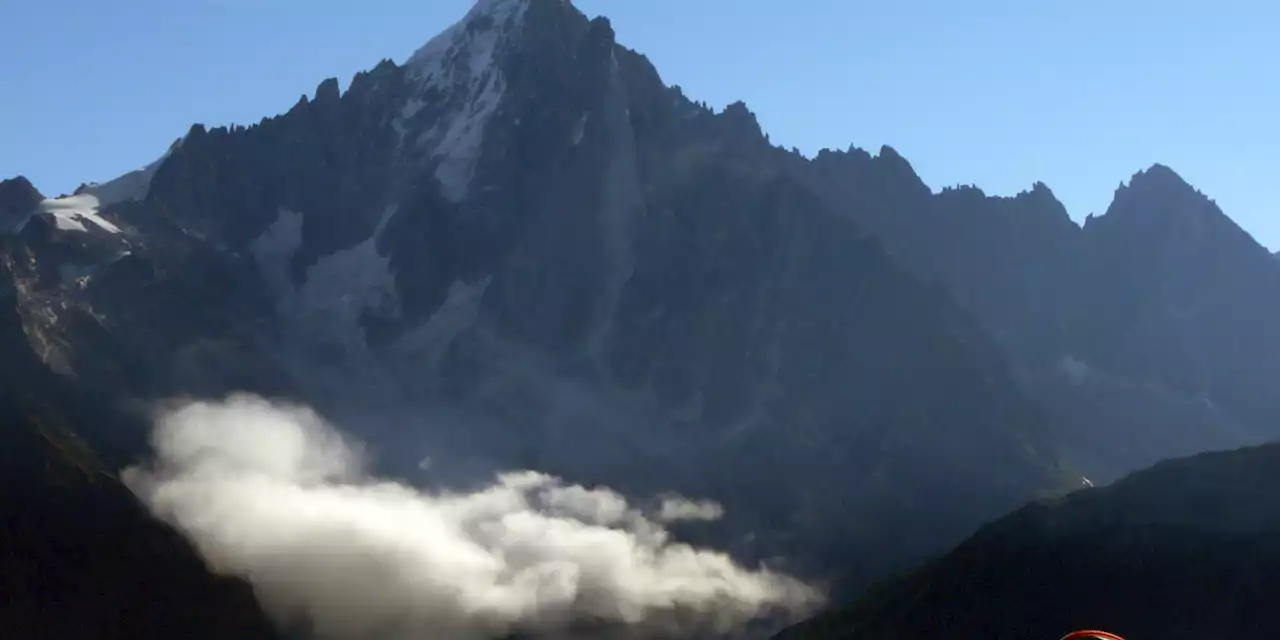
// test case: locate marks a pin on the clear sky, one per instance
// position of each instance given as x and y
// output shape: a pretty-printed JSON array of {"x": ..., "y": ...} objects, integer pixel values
[{"x": 1000, "y": 93}]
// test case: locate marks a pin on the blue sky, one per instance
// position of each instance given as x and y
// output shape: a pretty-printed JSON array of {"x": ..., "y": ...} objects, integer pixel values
[{"x": 1000, "y": 93}]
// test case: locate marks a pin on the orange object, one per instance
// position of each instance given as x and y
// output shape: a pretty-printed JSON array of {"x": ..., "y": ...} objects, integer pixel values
[{"x": 1091, "y": 635}]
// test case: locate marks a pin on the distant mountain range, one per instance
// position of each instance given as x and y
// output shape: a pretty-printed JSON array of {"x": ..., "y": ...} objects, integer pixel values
[
  {"x": 1148, "y": 333},
  {"x": 521, "y": 249}
]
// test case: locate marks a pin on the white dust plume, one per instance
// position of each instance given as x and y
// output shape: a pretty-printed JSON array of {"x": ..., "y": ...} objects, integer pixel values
[{"x": 271, "y": 493}]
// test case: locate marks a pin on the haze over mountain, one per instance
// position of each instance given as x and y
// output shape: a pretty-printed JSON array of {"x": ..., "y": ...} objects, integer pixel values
[
  {"x": 521, "y": 250},
  {"x": 1148, "y": 333}
]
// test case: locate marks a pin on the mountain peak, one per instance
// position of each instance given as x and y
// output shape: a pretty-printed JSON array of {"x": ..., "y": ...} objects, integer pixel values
[
  {"x": 1159, "y": 176},
  {"x": 19, "y": 188},
  {"x": 891, "y": 165},
  {"x": 743, "y": 118},
  {"x": 462, "y": 65},
  {"x": 889, "y": 153},
  {"x": 18, "y": 198},
  {"x": 1160, "y": 208},
  {"x": 479, "y": 31},
  {"x": 459, "y": 79},
  {"x": 480, "y": 25},
  {"x": 1041, "y": 195},
  {"x": 328, "y": 91},
  {"x": 1158, "y": 193}
]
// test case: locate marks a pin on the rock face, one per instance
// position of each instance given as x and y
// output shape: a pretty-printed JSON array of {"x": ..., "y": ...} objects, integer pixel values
[
  {"x": 1192, "y": 298},
  {"x": 18, "y": 198},
  {"x": 521, "y": 248},
  {"x": 1148, "y": 333},
  {"x": 1185, "y": 549},
  {"x": 80, "y": 557}
]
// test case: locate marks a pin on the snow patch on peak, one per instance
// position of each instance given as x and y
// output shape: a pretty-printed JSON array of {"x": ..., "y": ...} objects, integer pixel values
[
  {"x": 340, "y": 288},
  {"x": 327, "y": 308},
  {"x": 70, "y": 213},
  {"x": 275, "y": 247},
  {"x": 429, "y": 57},
  {"x": 429, "y": 341},
  {"x": 133, "y": 185},
  {"x": 1075, "y": 370},
  {"x": 579, "y": 129},
  {"x": 458, "y": 70}
]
